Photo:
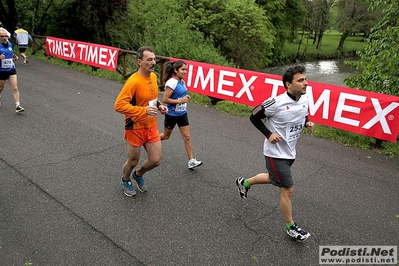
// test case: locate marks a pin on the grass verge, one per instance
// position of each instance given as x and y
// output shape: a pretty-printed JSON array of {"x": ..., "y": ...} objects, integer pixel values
[{"x": 306, "y": 50}]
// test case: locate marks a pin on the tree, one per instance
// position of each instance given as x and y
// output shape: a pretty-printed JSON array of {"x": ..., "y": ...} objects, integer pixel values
[
  {"x": 323, "y": 8},
  {"x": 318, "y": 18},
  {"x": 8, "y": 14},
  {"x": 87, "y": 21},
  {"x": 379, "y": 60},
  {"x": 238, "y": 28},
  {"x": 353, "y": 16},
  {"x": 160, "y": 24},
  {"x": 32, "y": 14},
  {"x": 287, "y": 18},
  {"x": 90, "y": 20}
]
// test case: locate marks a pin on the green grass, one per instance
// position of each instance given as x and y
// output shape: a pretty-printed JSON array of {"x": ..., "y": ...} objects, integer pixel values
[
  {"x": 330, "y": 43},
  {"x": 77, "y": 66},
  {"x": 328, "y": 50}
]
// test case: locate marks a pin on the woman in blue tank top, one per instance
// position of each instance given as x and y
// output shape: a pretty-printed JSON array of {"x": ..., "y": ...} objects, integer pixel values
[{"x": 176, "y": 98}]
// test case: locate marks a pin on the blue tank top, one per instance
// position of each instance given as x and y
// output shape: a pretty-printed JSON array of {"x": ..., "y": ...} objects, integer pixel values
[
  {"x": 7, "y": 64},
  {"x": 179, "y": 91}
]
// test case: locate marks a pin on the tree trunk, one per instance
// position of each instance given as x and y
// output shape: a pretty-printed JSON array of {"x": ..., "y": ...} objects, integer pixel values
[
  {"x": 344, "y": 35},
  {"x": 12, "y": 17},
  {"x": 36, "y": 10},
  {"x": 315, "y": 37},
  {"x": 319, "y": 40},
  {"x": 39, "y": 25},
  {"x": 300, "y": 43}
]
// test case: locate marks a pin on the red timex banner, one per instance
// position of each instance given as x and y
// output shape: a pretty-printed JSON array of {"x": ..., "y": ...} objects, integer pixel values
[
  {"x": 362, "y": 112},
  {"x": 86, "y": 53}
]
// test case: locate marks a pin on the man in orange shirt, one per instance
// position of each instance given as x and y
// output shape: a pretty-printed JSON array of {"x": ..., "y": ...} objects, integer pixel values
[{"x": 138, "y": 101}]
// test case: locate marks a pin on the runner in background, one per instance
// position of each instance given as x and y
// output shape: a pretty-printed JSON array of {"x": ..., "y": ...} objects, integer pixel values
[
  {"x": 176, "y": 98},
  {"x": 7, "y": 68},
  {"x": 22, "y": 38}
]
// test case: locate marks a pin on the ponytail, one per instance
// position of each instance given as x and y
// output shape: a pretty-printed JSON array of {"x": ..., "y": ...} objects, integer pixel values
[{"x": 170, "y": 68}]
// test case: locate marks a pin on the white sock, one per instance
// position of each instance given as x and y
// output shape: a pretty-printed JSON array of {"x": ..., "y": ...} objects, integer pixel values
[{"x": 16, "y": 103}]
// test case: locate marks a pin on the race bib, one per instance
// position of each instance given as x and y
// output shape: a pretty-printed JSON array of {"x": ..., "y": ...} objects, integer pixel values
[
  {"x": 293, "y": 131},
  {"x": 180, "y": 107},
  {"x": 153, "y": 102},
  {"x": 7, "y": 63}
]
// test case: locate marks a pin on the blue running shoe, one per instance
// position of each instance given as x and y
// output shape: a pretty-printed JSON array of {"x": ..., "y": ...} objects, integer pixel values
[
  {"x": 127, "y": 187},
  {"x": 140, "y": 182}
]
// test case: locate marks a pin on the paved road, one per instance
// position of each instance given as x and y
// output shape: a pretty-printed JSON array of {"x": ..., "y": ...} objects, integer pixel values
[{"x": 60, "y": 202}]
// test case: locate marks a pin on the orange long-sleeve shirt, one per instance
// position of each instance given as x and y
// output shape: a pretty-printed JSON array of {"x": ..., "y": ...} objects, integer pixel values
[{"x": 136, "y": 94}]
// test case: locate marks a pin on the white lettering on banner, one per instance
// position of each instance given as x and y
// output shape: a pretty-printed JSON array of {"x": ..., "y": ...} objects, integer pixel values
[
  {"x": 102, "y": 56},
  {"x": 72, "y": 48},
  {"x": 112, "y": 55},
  {"x": 276, "y": 83},
  {"x": 222, "y": 82},
  {"x": 49, "y": 42},
  {"x": 323, "y": 99},
  {"x": 82, "y": 48},
  {"x": 58, "y": 48},
  {"x": 61, "y": 48},
  {"x": 87, "y": 53},
  {"x": 331, "y": 105},
  {"x": 65, "y": 48},
  {"x": 204, "y": 81},
  {"x": 380, "y": 115},
  {"x": 189, "y": 77},
  {"x": 91, "y": 55},
  {"x": 342, "y": 107},
  {"x": 245, "y": 87}
]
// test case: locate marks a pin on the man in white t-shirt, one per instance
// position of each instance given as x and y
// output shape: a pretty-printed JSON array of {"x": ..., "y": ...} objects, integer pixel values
[
  {"x": 22, "y": 39},
  {"x": 286, "y": 115}
]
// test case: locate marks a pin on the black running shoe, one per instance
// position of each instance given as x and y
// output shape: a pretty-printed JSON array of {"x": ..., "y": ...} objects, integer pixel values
[{"x": 19, "y": 109}]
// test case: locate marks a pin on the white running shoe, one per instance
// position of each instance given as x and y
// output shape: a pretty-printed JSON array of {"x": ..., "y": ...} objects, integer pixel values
[
  {"x": 194, "y": 163},
  {"x": 297, "y": 233},
  {"x": 241, "y": 189}
]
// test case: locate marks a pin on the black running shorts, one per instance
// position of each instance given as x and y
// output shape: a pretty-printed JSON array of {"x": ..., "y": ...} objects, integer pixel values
[
  {"x": 171, "y": 121},
  {"x": 4, "y": 75}
]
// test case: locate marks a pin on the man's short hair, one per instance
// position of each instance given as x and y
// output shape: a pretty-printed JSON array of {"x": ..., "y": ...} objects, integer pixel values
[
  {"x": 141, "y": 50},
  {"x": 289, "y": 74}
]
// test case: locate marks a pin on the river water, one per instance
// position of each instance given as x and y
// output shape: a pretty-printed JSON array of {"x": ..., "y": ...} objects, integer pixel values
[{"x": 324, "y": 71}]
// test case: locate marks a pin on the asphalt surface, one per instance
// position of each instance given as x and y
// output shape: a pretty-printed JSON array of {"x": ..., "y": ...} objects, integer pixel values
[{"x": 61, "y": 204}]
